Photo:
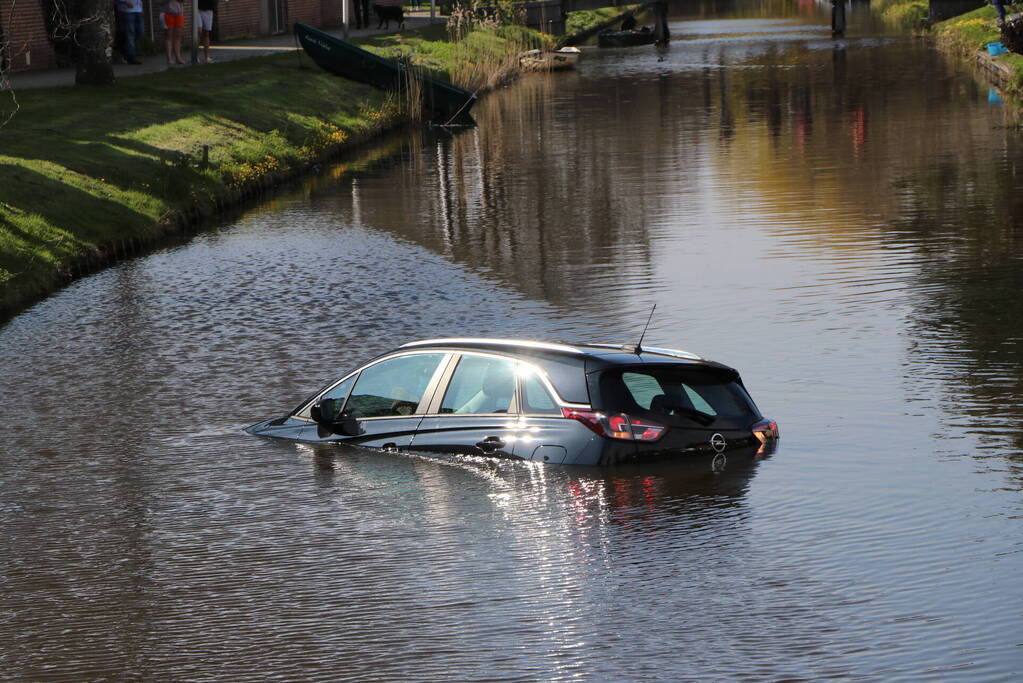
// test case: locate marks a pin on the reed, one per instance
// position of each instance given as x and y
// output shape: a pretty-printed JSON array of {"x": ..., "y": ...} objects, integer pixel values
[{"x": 410, "y": 91}]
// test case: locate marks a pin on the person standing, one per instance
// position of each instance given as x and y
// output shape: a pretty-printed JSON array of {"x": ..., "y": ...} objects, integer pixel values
[
  {"x": 129, "y": 18},
  {"x": 1000, "y": 8},
  {"x": 174, "y": 21},
  {"x": 206, "y": 10}
]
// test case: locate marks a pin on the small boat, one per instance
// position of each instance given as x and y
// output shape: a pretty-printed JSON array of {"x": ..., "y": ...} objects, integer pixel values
[
  {"x": 447, "y": 103},
  {"x": 549, "y": 60},
  {"x": 609, "y": 38}
]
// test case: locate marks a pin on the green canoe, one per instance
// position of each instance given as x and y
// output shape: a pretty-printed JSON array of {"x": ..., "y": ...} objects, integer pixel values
[{"x": 446, "y": 103}]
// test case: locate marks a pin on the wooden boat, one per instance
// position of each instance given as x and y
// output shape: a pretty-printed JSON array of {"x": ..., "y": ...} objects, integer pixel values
[
  {"x": 610, "y": 38},
  {"x": 447, "y": 103},
  {"x": 549, "y": 60}
]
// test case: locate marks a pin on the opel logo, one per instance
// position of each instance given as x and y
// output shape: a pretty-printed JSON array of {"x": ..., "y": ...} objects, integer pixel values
[{"x": 718, "y": 443}]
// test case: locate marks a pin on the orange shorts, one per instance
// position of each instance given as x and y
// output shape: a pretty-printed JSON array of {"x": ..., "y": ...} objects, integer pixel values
[{"x": 173, "y": 20}]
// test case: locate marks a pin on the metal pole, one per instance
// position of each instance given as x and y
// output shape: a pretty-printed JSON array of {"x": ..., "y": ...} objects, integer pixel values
[
  {"x": 344, "y": 17},
  {"x": 195, "y": 31},
  {"x": 433, "y": 11}
]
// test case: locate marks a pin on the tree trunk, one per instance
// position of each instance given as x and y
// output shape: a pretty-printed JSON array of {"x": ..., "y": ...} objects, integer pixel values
[{"x": 92, "y": 40}]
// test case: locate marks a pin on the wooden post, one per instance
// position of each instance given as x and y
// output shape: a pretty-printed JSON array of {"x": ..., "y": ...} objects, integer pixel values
[
  {"x": 661, "y": 32},
  {"x": 837, "y": 18}
]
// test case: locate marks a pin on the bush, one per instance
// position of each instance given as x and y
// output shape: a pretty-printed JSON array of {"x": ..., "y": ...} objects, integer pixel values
[{"x": 907, "y": 15}]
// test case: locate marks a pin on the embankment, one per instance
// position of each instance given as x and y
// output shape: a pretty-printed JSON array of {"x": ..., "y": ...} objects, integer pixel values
[
  {"x": 584, "y": 24},
  {"x": 965, "y": 36},
  {"x": 968, "y": 35},
  {"x": 91, "y": 175}
]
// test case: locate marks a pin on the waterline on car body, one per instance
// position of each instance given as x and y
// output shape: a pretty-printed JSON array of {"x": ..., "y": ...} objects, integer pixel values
[{"x": 581, "y": 404}]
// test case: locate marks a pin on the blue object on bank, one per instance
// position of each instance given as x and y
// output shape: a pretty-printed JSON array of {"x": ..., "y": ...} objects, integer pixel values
[
  {"x": 993, "y": 98},
  {"x": 995, "y": 49}
]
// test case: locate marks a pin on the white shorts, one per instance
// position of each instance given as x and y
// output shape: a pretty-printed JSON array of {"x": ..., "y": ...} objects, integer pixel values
[{"x": 205, "y": 20}]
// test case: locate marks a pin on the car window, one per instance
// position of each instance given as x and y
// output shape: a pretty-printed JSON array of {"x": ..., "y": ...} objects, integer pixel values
[
  {"x": 333, "y": 401},
  {"x": 643, "y": 388},
  {"x": 535, "y": 398},
  {"x": 392, "y": 387},
  {"x": 480, "y": 384},
  {"x": 676, "y": 391}
]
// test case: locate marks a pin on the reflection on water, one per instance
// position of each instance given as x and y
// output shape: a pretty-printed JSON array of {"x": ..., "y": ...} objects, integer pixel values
[{"x": 837, "y": 219}]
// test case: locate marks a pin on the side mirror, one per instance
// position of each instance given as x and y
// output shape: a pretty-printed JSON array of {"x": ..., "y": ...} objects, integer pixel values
[
  {"x": 347, "y": 426},
  {"x": 325, "y": 413}
]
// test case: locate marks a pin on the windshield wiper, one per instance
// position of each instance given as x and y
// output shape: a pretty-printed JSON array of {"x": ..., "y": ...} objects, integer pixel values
[{"x": 694, "y": 414}]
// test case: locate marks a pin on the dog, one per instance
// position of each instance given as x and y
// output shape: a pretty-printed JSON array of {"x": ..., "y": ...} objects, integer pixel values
[{"x": 388, "y": 13}]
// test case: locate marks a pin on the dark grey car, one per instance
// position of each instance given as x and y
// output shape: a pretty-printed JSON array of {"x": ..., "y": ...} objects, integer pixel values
[{"x": 581, "y": 404}]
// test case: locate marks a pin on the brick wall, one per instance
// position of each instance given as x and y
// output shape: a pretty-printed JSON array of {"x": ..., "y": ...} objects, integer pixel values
[
  {"x": 306, "y": 11},
  {"x": 24, "y": 25},
  {"x": 237, "y": 18},
  {"x": 330, "y": 12}
]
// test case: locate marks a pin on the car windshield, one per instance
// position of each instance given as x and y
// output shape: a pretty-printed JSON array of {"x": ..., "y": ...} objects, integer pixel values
[{"x": 689, "y": 394}]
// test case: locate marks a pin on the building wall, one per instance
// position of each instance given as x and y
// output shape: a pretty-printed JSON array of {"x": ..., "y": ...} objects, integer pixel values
[
  {"x": 238, "y": 18},
  {"x": 306, "y": 11},
  {"x": 23, "y": 23},
  {"x": 24, "y": 26}
]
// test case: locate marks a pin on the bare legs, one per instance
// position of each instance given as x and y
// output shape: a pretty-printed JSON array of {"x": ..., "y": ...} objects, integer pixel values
[
  {"x": 204, "y": 40},
  {"x": 173, "y": 43}
]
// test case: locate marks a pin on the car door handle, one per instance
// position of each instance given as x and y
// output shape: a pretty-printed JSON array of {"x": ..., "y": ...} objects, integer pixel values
[{"x": 491, "y": 443}]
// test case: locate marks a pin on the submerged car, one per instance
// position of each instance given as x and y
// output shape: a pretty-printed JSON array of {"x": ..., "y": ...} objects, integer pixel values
[{"x": 580, "y": 404}]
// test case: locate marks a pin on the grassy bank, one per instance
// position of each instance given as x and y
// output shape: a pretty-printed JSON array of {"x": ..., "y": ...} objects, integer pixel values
[
  {"x": 969, "y": 33},
  {"x": 908, "y": 15},
  {"x": 86, "y": 171},
  {"x": 584, "y": 20}
]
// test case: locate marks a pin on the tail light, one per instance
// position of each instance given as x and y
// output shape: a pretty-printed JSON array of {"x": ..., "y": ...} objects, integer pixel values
[
  {"x": 765, "y": 430},
  {"x": 617, "y": 426}
]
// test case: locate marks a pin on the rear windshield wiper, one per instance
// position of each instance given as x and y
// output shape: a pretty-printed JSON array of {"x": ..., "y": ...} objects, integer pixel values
[{"x": 694, "y": 414}]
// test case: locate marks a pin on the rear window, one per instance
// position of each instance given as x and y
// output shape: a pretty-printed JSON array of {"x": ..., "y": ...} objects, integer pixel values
[{"x": 684, "y": 393}]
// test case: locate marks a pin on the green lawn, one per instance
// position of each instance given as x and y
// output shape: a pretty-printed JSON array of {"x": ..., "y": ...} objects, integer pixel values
[{"x": 83, "y": 168}]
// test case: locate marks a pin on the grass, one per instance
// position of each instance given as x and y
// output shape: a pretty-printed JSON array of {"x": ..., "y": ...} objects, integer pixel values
[
  {"x": 82, "y": 169},
  {"x": 583, "y": 20},
  {"x": 908, "y": 15},
  {"x": 970, "y": 32}
]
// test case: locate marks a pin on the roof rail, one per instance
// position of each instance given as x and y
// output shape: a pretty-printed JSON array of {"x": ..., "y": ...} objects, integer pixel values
[
  {"x": 674, "y": 353},
  {"x": 483, "y": 341}
]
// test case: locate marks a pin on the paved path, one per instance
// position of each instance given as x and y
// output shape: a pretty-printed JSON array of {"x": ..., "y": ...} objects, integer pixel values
[{"x": 220, "y": 52}]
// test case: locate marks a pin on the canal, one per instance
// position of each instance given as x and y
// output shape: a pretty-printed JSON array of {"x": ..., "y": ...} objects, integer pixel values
[{"x": 837, "y": 219}]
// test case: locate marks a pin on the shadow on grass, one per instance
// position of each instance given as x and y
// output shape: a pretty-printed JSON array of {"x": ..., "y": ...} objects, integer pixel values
[{"x": 66, "y": 214}]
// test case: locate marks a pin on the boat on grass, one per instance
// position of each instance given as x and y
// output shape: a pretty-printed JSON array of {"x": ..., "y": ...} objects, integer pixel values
[
  {"x": 446, "y": 103},
  {"x": 549, "y": 60}
]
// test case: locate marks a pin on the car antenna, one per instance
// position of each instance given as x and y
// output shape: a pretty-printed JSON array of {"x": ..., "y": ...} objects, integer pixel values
[{"x": 638, "y": 347}]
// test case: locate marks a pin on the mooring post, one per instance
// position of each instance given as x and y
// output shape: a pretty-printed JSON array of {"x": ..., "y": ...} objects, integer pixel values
[
  {"x": 661, "y": 28},
  {"x": 837, "y": 18}
]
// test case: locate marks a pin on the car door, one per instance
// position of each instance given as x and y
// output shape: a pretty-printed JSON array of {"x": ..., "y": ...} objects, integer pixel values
[
  {"x": 542, "y": 432},
  {"x": 386, "y": 403},
  {"x": 473, "y": 410}
]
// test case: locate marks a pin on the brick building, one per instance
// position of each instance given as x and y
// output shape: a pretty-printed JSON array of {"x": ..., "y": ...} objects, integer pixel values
[{"x": 23, "y": 24}]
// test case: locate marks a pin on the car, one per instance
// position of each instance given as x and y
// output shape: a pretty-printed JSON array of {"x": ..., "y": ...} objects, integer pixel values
[{"x": 572, "y": 404}]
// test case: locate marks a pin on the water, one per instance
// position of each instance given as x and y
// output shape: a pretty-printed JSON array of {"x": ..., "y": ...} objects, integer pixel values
[{"x": 836, "y": 219}]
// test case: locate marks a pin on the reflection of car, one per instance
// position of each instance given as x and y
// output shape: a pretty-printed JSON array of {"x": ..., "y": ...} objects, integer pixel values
[{"x": 583, "y": 404}]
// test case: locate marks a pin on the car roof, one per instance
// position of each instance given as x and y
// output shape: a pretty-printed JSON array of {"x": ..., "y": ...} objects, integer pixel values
[{"x": 597, "y": 355}]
